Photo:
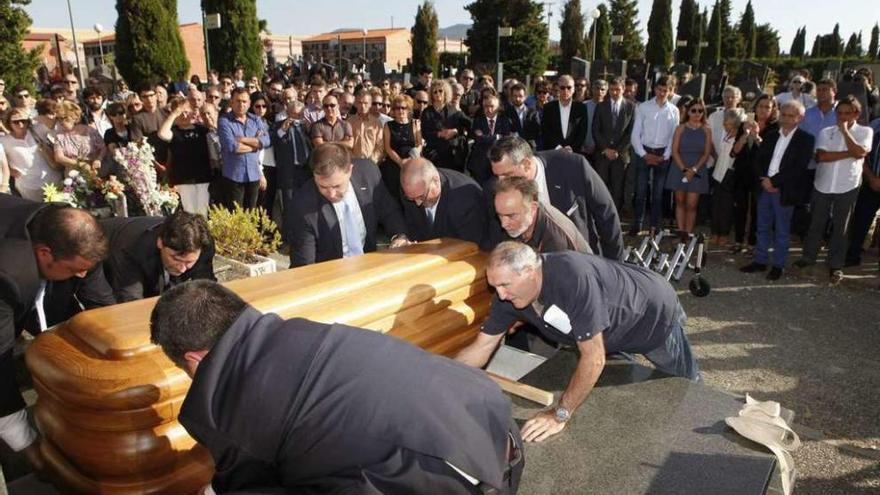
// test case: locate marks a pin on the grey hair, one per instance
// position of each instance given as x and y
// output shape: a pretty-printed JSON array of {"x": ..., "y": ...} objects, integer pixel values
[
  {"x": 796, "y": 104},
  {"x": 732, "y": 89},
  {"x": 736, "y": 115},
  {"x": 514, "y": 255},
  {"x": 512, "y": 146},
  {"x": 416, "y": 170}
]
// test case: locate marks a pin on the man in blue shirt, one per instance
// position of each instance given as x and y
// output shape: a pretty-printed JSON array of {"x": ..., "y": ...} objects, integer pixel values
[{"x": 242, "y": 136}]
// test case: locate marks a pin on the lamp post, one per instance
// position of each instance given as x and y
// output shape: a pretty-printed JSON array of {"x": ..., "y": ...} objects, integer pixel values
[
  {"x": 99, "y": 29},
  {"x": 75, "y": 45},
  {"x": 595, "y": 14},
  {"x": 365, "y": 50}
]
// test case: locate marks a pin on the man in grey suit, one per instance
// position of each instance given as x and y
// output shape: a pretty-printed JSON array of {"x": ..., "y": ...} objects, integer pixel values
[{"x": 612, "y": 127}]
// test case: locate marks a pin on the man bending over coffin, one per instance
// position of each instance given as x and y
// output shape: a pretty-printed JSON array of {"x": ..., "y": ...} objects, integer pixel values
[
  {"x": 599, "y": 305},
  {"x": 303, "y": 407}
]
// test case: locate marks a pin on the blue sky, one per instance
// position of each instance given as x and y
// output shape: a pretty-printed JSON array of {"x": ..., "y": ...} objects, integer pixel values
[{"x": 311, "y": 17}]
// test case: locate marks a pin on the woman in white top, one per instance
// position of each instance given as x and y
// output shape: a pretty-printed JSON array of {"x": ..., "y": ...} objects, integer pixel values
[
  {"x": 724, "y": 177},
  {"x": 28, "y": 162}
]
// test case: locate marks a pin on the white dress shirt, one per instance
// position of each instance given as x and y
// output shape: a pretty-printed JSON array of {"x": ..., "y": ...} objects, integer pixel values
[
  {"x": 844, "y": 175},
  {"x": 431, "y": 213},
  {"x": 564, "y": 112},
  {"x": 804, "y": 98},
  {"x": 779, "y": 150},
  {"x": 541, "y": 181},
  {"x": 654, "y": 126},
  {"x": 359, "y": 224}
]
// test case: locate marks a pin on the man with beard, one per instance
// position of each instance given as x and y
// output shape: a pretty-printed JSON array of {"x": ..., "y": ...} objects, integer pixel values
[{"x": 94, "y": 115}]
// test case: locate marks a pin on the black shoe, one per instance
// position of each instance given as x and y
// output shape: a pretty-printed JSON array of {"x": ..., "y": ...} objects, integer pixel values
[
  {"x": 803, "y": 263},
  {"x": 775, "y": 273},
  {"x": 753, "y": 267}
]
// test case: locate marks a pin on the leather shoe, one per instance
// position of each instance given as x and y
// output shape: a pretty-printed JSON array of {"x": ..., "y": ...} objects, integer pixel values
[
  {"x": 753, "y": 267},
  {"x": 775, "y": 273}
]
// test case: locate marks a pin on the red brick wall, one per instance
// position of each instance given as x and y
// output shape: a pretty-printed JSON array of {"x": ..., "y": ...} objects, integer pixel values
[{"x": 194, "y": 44}]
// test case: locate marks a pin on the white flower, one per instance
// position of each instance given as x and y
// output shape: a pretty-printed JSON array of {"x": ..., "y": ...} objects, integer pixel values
[
  {"x": 68, "y": 181},
  {"x": 73, "y": 174}
]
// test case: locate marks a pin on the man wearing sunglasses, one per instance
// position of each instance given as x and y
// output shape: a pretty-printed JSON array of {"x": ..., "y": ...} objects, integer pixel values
[
  {"x": 332, "y": 128},
  {"x": 564, "y": 123},
  {"x": 367, "y": 128}
]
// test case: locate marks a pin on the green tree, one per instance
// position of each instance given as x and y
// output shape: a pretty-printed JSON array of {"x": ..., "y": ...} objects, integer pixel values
[
  {"x": 603, "y": 35},
  {"x": 701, "y": 24},
  {"x": 525, "y": 52},
  {"x": 148, "y": 43},
  {"x": 18, "y": 65},
  {"x": 688, "y": 11},
  {"x": 424, "y": 38},
  {"x": 624, "y": 18},
  {"x": 766, "y": 41},
  {"x": 873, "y": 49},
  {"x": 731, "y": 41},
  {"x": 712, "y": 54},
  {"x": 799, "y": 43},
  {"x": 571, "y": 39},
  {"x": 658, "y": 51},
  {"x": 834, "y": 45},
  {"x": 237, "y": 41},
  {"x": 816, "y": 51},
  {"x": 747, "y": 31},
  {"x": 853, "y": 47}
]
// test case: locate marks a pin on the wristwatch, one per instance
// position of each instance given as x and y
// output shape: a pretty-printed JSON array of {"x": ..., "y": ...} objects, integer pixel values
[{"x": 562, "y": 414}]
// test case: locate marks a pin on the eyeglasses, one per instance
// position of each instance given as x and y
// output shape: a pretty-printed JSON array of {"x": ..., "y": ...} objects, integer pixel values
[
  {"x": 437, "y": 91},
  {"x": 377, "y": 103},
  {"x": 386, "y": 105},
  {"x": 421, "y": 102},
  {"x": 566, "y": 87},
  {"x": 466, "y": 78},
  {"x": 147, "y": 95},
  {"x": 329, "y": 105},
  {"x": 20, "y": 121},
  {"x": 695, "y": 111},
  {"x": 213, "y": 97},
  {"x": 579, "y": 86}
]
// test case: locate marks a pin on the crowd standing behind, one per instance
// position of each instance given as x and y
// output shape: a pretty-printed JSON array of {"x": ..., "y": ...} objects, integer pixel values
[{"x": 669, "y": 161}]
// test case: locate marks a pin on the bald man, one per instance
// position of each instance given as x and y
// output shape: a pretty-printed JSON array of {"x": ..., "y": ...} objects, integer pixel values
[
  {"x": 564, "y": 124},
  {"x": 441, "y": 203}
]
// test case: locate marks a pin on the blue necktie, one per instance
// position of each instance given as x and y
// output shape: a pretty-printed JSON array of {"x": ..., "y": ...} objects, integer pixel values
[{"x": 351, "y": 232}]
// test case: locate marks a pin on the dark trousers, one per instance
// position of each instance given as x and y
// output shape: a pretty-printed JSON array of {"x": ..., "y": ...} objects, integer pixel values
[
  {"x": 10, "y": 397},
  {"x": 267, "y": 197},
  {"x": 242, "y": 193},
  {"x": 613, "y": 174},
  {"x": 653, "y": 176},
  {"x": 293, "y": 180},
  {"x": 863, "y": 216},
  {"x": 745, "y": 213},
  {"x": 840, "y": 208},
  {"x": 391, "y": 177},
  {"x": 722, "y": 210},
  {"x": 773, "y": 220}
]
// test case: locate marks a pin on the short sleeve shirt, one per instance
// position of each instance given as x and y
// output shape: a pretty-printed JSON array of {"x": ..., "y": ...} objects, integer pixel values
[
  {"x": 843, "y": 175},
  {"x": 331, "y": 133},
  {"x": 582, "y": 295}
]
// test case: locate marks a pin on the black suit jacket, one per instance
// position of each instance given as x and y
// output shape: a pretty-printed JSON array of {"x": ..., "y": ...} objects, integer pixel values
[
  {"x": 529, "y": 128},
  {"x": 478, "y": 162},
  {"x": 315, "y": 408},
  {"x": 551, "y": 126},
  {"x": 134, "y": 270},
  {"x": 461, "y": 212},
  {"x": 317, "y": 235},
  {"x": 614, "y": 135},
  {"x": 791, "y": 180}
]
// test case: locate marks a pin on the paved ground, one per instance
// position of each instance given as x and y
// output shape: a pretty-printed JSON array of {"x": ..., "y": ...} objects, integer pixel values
[
  {"x": 809, "y": 346},
  {"x": 798, "y": 341}
]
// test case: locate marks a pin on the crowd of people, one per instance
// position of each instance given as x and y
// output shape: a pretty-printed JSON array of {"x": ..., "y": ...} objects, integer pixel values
[{"x": 540, "y": 179}]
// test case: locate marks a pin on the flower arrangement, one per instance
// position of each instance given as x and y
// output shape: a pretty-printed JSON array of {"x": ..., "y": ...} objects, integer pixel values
[
  {"x": 82, "y": 188},
  {"x": 138, "y": 162},
  {"x": 240, "y": 234}
]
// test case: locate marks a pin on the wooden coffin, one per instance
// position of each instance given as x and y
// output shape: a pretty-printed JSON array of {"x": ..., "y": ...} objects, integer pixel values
[{"x": 108, "y": 399}]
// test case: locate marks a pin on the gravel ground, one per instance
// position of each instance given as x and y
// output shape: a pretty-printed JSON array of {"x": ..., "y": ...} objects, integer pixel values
[{"x": 807, "y": 345}]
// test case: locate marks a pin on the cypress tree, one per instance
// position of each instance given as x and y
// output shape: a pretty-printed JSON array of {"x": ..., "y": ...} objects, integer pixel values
[
  {"x": 875, "y": 40},
  {"x": 525, "y": 52},
  {"x": 712, "y": 54},
  {"x": 731, "y": 41},
  {"x": 624, "y": 18},
  {"x": 816, "y": 51},
  {"x": 701, "y": 28},
  {"x": 18, "y": 65},
  {"x": 766, "y": 41},
  {"x": 148, "y": 43},
  {"x": 853, "y": 47},
  {"x": 603, "y": 35},
  {"x": 798, "y": 44},
  {"x": 237, "y": 42},
  {"x": 834, "y": 46},
  {"x": 658, "y": 51},
  {"x": 571, "y": 40},
  {"x": 424, "y": 38},
  {"x": 747, "y": 30},
  {"x": 686, "y": 30}
]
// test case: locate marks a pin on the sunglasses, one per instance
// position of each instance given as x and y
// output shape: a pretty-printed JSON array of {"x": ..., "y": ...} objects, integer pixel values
[
  {"x": 377, "y": 103},
  {"x": 468, "y": 78},
  {"x": 437, "y": 91},
  {"x": 329, "y": 105},
  {"x": 580, "y": 85},
  {"x": 695, "y": 110},
  {"x": 421, "y": 102},
  {"x": 566, "y": 87},
  {"x": 147, "y": 95}
]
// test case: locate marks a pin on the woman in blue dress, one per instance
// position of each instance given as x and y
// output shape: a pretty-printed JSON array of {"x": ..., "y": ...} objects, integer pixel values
[{"x": 688, "y": 177}]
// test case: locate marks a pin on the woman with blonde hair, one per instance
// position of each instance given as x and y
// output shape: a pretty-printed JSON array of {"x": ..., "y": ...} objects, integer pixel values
[
  {"x": 403, "y": 140},
  {"x": 444, "y": 128},
  {"x": 76, "y": 144}
]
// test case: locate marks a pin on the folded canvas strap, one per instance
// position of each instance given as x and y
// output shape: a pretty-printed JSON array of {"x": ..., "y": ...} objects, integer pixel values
[{"x": 761, "y": 422}]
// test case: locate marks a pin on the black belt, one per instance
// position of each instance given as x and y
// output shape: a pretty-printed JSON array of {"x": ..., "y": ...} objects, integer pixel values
[{"x": 654, "y": 151}]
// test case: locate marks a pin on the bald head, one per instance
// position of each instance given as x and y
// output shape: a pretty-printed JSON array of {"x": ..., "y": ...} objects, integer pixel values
[{"x": 420, "y": 182}]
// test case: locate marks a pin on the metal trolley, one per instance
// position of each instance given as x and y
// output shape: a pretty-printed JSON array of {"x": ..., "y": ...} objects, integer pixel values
[{"x": 650, "y": 255}]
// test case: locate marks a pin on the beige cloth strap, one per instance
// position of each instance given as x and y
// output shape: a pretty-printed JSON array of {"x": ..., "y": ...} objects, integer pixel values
[{"x": 761, "y": 422}]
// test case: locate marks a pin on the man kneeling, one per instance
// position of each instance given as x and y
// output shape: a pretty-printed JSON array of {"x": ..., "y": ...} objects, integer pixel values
[{"x": 306, "y": 407}]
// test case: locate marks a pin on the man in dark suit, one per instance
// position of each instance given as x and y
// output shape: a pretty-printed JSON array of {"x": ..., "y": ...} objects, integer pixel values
[
  {"x": 781, "y": 164},
  {"x": 336, "y": 213},
  {"x": 149, "y": 255},
  {"x": 292, "y": 147},
  {"x": 485, "y": 130},
  {"x": 45, "y": 249},
  {"x": 569, "y": 133},
  {"x": 567, "y": 182},
  {"x": 868, "y": 202},
  {"x": 441, "y": 203},
  {"x": 524, "y": 119},
  {"x": 612, "y": 127},
  {"x": 380, "y": 415}
]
